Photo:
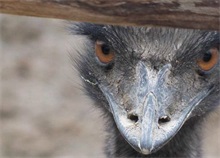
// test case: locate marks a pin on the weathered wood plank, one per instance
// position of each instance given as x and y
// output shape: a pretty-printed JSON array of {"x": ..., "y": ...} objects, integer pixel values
[{"x": 196, "y": 14}]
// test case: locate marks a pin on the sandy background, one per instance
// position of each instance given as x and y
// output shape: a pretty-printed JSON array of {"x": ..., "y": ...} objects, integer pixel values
[{"x": 43, "y": 112}]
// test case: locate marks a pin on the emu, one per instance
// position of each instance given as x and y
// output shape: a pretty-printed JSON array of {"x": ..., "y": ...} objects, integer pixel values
[{"x": 154, "y": 86}]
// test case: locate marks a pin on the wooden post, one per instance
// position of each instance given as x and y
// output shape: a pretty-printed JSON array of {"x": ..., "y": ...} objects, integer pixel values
[{"x": 194, "y": 14}]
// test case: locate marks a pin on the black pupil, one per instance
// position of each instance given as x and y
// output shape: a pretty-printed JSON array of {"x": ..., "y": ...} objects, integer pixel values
[
  {"x": 207, "y": 56},
  {"x": 105, "y": 49}
]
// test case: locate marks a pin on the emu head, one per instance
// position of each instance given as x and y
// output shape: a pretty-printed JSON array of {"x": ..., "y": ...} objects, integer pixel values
[{"x": 151, "y": 80}]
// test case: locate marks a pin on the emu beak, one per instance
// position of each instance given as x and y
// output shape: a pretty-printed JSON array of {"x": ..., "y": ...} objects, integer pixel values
[{"x": 148, "y": 126}]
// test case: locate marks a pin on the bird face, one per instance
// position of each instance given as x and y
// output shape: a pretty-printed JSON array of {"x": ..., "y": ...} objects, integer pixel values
[{"x": 152, "y": 80}]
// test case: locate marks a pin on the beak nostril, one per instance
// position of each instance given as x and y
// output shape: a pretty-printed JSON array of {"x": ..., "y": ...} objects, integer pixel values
[
  {"x": 164, "y": 119},
  {"x": 133, "y": 117}
]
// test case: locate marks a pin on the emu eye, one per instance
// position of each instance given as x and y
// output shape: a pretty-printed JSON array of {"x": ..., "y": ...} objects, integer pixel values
[
  {"x": 103, "y": 52},
  {"x": 209, "y": 60}
]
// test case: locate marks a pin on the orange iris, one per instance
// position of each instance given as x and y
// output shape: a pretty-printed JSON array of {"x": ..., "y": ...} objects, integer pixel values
[
  {"x": 209, "y": 60},
  {"x": 103, "y": 52}
]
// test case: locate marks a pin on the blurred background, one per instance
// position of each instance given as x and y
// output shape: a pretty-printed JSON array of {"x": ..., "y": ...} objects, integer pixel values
[{"x": 44, "y": 113}]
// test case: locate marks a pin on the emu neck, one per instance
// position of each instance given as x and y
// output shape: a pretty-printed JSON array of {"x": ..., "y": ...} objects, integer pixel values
[{"x": 185, "y": 144}]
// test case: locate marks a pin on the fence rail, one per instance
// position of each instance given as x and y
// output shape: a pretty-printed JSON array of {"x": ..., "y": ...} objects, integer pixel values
[{"x": 194, "y": 14}]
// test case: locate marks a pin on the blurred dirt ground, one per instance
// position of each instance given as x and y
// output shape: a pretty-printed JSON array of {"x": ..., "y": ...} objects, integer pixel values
[{"x": 43, "y": 111}]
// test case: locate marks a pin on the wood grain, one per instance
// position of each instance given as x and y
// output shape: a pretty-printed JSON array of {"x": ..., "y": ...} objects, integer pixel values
[{"x": 194, "y": 14}]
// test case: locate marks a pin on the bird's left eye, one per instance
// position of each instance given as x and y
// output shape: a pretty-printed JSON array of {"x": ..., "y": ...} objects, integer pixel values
[
  {"x": 104, "y": 52},
  {"x": 209, "y": 59}
]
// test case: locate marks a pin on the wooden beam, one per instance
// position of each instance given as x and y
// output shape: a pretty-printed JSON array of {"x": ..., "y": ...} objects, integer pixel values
[{"x": 194, "y": 14}]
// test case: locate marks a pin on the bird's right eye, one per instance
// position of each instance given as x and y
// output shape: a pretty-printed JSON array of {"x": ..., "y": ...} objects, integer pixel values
[{"x": 103, "y": 52}]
